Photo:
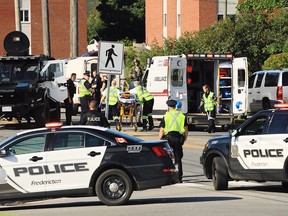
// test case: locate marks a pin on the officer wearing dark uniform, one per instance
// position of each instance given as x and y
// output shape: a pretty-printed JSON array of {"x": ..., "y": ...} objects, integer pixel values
[
  {"x": 174, "y": 128},
  {"x": 147, "y": 100},
  {"x": 209, "y": 100},
  {"x": 94, "y": 117},
  {"x": 69, "y": 100}
]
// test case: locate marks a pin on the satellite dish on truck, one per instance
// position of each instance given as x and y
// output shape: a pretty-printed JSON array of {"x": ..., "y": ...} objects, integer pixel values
[{"x": 16, "y": 43}]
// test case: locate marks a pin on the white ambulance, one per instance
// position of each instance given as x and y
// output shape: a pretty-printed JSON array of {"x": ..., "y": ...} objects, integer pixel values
[{"x": 182, "y": 77}]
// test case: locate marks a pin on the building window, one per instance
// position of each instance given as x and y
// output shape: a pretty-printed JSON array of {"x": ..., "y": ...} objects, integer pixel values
[
  {"x": 165, "y": 20},
  {"x": 24, "y": 16},
  {"x": 178, "y": 20},
  {"x": 219, "y": 17}
]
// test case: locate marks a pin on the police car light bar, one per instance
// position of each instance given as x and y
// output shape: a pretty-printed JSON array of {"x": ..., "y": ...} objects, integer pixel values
[
  {"x": 53, "y": 125},
  {"x": 281, "y": 106}
]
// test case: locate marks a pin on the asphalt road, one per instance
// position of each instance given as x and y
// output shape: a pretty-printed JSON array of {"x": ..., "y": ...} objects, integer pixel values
[{"x": 195, "y": 196}]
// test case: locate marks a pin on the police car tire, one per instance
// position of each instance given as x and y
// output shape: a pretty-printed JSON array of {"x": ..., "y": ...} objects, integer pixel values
[
  {"x": 114, "y": 179},
  {"x": 219, "y": 174}
]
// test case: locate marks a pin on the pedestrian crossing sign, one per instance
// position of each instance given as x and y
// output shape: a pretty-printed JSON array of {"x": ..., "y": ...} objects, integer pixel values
[{"x": 110, "y": 57}]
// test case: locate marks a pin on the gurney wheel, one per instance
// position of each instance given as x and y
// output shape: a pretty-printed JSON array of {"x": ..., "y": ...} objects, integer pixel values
[{"x": 134, "y": 127}]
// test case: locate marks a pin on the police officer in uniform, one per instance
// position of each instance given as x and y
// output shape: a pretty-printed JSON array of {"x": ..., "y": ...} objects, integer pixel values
[
  {"x": 147, "y": 100},
  {"x": 209, "y": 100},
  {"x": 174, "y": 128},
  {"x": 69, "y": 100},
  {"x": 85, "y": 93},
  {"x": 94, "y": 117},
  {"x": 113, "y": 101}
]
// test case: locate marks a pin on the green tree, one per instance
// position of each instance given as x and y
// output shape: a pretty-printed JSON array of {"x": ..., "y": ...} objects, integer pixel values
[
  {"x": 276, "y": 61},
  {"x": 122, "y": 19}
]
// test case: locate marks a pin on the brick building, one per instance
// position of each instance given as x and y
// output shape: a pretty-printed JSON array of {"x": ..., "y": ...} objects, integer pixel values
[
  {"x": 171, "y": 18},
  {"x": 31, "y": 25}
]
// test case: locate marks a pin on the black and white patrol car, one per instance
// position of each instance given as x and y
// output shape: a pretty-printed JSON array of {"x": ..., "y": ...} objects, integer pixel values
[
  {"x": 256, "y": 150},
  {"x": 63, "y": 161}
]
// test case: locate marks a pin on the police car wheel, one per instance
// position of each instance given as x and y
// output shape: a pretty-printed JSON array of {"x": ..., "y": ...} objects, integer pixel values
[
  {"x": 219, "y": 174},
  {"x": 114, "y": 187}
]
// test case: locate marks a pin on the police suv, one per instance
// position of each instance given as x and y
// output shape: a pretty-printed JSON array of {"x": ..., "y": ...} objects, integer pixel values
[
  {"x": 256, "y": 150},
  {"x": 63, "y": 161}
]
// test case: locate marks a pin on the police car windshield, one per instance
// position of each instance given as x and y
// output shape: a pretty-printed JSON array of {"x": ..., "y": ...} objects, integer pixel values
[{"x": 131, "y": 139}]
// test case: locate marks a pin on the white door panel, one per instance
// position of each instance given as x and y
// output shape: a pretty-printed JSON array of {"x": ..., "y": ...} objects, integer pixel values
[
  {"x": 245, "y": 148},
  {"x": 73, "y": 167},
  {"x": 240, "y": 86},
  {"x": 177, "y": 88},
  {"x": 23, "y": 174},
  {"x": 275, "y": 150}
]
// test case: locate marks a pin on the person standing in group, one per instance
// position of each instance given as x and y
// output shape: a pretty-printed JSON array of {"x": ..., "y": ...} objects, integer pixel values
[
  {"x": 94, "y": 117},
  {"x": 136, "y": 73},
  {"x": 113, "y": 101},
  {"x": 209, "y": 100},
  {"x": 85, "y": 93},
  {"x": 96, "y": 85},
  {"x": 144, "y": 97},
  {"x": 174, "y": 128},
  {"x": 71, "y": 88}
]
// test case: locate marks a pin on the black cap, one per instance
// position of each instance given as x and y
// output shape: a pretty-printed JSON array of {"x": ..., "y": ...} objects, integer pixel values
[
  {"x": 171, "y": 103},
  {"x": 87, "y": 73}
]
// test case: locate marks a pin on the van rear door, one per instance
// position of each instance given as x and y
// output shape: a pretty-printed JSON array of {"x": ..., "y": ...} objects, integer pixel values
[
  {"x": 177, "y": 86},
  {"x": 240, "y": 86},
  {"x": 285, "y": 86}
]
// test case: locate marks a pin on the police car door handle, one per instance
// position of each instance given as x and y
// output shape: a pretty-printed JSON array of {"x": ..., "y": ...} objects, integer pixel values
[
  {"x": 93, "y": 153},
  {"x": 35, "y": 158},
  {"x": 253, "y": 141},
  {"x": 286, "y": 140}
]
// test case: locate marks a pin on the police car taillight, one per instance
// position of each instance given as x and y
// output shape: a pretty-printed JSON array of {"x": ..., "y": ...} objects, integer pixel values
[
  {"x": 54, "y": 125},
  {"x": 281, "y": 106},
  {"x": 159, "y": 151}
]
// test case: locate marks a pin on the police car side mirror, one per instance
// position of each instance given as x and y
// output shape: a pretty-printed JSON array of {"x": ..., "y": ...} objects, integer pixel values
[{"x": 3, "y": 153}]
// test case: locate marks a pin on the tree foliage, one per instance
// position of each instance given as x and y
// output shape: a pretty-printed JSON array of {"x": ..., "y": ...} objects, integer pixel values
[
  {"x": 276, "y": 61},
  {"x": 122, "y": 19}
]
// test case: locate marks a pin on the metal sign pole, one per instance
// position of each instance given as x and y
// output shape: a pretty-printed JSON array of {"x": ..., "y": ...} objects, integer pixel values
[{"x": 107, "y": 97}]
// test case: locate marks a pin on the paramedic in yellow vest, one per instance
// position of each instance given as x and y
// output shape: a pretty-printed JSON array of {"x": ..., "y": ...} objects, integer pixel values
[
  {"x": 85, "y": 93},
  {"x": 174, "y": 128},
  {"x": 144, "y": 97},
  {"x": 209, "y": 100},
  {"x": 113, "y": 101}
]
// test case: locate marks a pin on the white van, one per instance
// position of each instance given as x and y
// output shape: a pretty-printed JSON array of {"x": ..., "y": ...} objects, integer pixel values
[{"x": 267, "y": 88}]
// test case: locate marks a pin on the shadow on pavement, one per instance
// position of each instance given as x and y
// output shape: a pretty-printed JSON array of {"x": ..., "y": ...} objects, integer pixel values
[{"x": 131, "y": 202}]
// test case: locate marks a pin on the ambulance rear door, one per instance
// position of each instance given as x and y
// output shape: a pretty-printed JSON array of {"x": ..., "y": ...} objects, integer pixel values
[
  {"x": 177, "y": 86},
  {"x": 240, "y": 86}
]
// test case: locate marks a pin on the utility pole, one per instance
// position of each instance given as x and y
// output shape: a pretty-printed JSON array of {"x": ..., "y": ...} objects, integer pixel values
[
  {"x": 73, "y": 28},
  {"x": 225, "y": 9},
  {"x": 17, "y": 15},
  {"x": 45, "y": 27}
]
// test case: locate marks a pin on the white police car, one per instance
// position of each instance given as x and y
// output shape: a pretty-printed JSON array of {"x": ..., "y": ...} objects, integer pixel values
[
  {"x": 256, "y": 150},
  {"x": 82, "y": 161}
]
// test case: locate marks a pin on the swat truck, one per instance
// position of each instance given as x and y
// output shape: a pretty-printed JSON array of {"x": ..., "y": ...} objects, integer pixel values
[
  {"x": 31, "y": 86},
  {"x": 182, "y": 77}
]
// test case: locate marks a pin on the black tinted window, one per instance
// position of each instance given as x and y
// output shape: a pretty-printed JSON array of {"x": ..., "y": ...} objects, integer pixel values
[
  {"x": 255, "y": 127},
  {"x": 285, "y": 79},
  {"x": 259, "y": 80},
  {"x": 279, "y": 125},
  {"x": 251, "y": 81},
  {"x": 58, "y": 141},
  {"x": 271, "y": 79},
  {"x": 92, "y": 141}
]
